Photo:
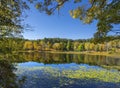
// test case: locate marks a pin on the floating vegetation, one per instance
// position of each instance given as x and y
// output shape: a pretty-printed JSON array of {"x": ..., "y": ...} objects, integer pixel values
[{"x": 80, "y": 72}]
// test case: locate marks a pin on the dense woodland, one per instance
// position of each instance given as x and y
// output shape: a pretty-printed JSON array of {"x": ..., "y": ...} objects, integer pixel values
[
  {"x": 9, "y": 45},
  {"x": 105, "y": 12}
]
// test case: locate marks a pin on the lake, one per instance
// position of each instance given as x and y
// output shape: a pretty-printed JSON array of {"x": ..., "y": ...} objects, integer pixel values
[{"x": 50, "y": 70}]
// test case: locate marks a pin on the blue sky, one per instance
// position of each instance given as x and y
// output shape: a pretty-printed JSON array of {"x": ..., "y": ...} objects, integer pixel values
[{"x": 58, "y": 25}]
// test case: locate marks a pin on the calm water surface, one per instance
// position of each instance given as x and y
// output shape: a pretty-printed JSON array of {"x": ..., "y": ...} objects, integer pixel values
[{"x": 46, "y": 70}]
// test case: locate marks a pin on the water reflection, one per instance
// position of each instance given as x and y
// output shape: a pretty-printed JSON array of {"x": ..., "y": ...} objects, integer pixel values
[
  {"x": 71, "y": 75},
  {"x": 46, "y": 70},
  {"x": 48, "y": 58}
]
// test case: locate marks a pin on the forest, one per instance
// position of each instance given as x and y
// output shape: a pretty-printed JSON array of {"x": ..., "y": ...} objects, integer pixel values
[
  {"x": 12, "y": 15},
  {"x": 10, "y": 45}
]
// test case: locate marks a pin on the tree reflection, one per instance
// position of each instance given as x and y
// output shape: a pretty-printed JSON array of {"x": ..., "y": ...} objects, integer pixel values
[{"x": 52, "y": 58}]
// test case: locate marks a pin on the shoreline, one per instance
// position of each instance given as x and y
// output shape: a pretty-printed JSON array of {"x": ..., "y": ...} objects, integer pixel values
[
  {"x": 88, "y": 53},
  {"x": 115, "y": 55}
]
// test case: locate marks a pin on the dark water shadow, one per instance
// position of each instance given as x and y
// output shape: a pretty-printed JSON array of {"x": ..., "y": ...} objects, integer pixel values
[{"x": 8, "y": 78}]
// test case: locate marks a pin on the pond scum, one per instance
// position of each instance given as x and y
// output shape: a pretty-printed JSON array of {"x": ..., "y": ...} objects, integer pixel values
[{"x": 81, "y": 72}]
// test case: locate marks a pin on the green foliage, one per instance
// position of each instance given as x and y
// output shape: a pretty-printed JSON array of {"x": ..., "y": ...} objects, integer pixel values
[
  {"x": 106, "y": 12},
  {"x": 11, "y": 12},
  {"x": 10, "y": 45},
  {"x": 7, "y": 78},
  {"x": 81, "y": 47}
]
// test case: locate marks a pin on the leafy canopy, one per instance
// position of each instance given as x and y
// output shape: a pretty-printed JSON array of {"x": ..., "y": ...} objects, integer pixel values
[
  {"x": 106, "y": 12},
  {"x": 11, "y": 13}
]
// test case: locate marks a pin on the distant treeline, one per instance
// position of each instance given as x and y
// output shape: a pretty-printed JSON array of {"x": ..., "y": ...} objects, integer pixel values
[{"x": 57, "y": 44}]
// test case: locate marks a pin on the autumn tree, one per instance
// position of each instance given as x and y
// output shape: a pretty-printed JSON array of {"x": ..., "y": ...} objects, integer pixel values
[
  {"x": 69, "y": 46},
  {"x": 42, "y": 44},
  {"x": 91, "y": 46},
  {"x": 35, "y": 45},
  {"x": 28, "y": 45},
  {"x": 48, "y": 46},
  {"x": 87, "y": 46},
  {"x": 75, "y": 46},
  {"x": 56, "y": 46}
]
